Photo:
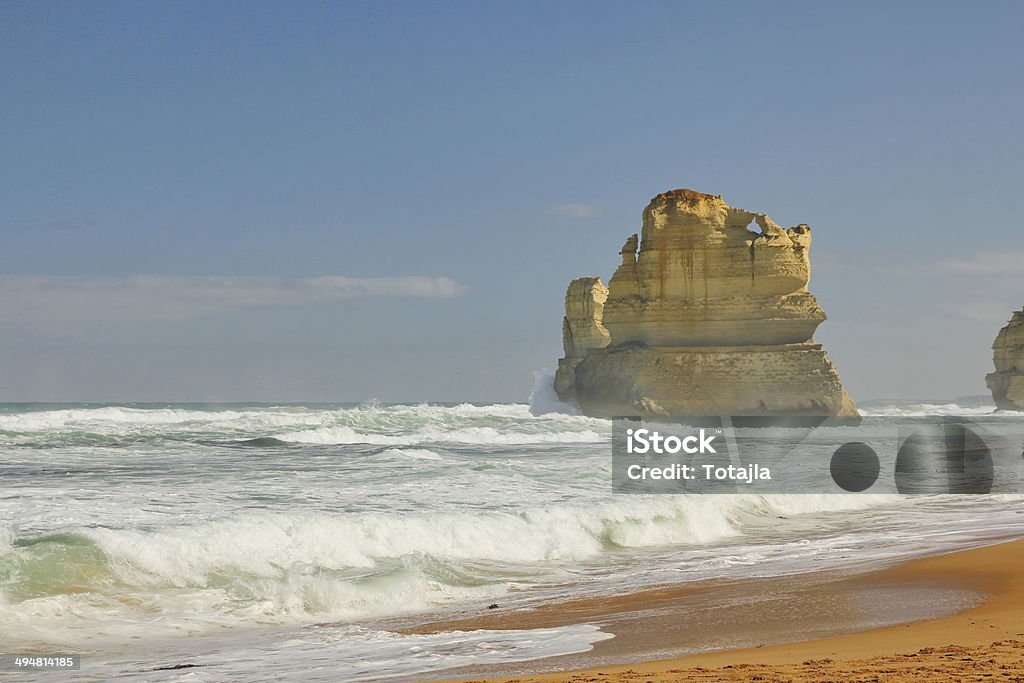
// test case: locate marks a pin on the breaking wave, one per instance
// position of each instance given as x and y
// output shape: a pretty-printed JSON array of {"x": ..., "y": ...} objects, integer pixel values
[
  {"x": 466, "y": 435},
  {"x": 281, "y": 568},
  {"x": 543, "y": 398},
  {"x": 189, "y": 519},
  {"x": 397, "y": 425},
  {"x": 414, "y": 453}
]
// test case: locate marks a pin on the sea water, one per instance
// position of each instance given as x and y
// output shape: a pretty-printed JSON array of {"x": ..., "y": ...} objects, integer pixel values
[{"x": 283, "y": 542}]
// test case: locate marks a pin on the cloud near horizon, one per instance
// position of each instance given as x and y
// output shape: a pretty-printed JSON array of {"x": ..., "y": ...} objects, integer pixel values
[
  {"x": 160, "y": 297},
  {"x": 985, "y": 263},
  {"x": 575, "y": 210},
  {"x": 979, "y": 264}
]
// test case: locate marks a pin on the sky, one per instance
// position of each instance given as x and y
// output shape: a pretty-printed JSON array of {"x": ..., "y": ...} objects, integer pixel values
[{"x": 346, "y": 201}]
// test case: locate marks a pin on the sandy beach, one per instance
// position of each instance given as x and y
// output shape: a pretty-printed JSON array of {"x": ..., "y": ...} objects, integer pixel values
[{"x": 984, "y": 641}]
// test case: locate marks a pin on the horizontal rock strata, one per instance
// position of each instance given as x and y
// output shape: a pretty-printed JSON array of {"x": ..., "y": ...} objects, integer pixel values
[
  {"x": 582, "y": 330},
  {"x": 708, "y": 313}
]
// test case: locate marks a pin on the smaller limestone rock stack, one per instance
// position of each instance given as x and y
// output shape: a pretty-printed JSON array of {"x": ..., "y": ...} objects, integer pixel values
[
  {"x": 1007, "y": 382},
  {"x": 582, "y": 329}
]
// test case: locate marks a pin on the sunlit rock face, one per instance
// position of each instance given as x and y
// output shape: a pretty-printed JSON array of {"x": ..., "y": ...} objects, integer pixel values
[
  {"x": 707, "y": 314},
  {"x": 582, "y": 330},
  {"x": 1007, "y": 382},
  {"x": 702, "y": 277}
]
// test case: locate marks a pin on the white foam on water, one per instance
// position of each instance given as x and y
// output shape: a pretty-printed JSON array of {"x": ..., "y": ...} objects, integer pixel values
[
  {"x": 414, "y": 453},
  {"x": 399, "y": 425},
  {"x": 261, "y": 570},
  {"x": 359, "y": 654},
  {"x": 113, "y": 615},
  {"x": 291, "y": 563},
  {"x": 407, "y": 655},
  {"x": 509, "y": 410},
  {"x": 112, "y": 415},
  {"x": 543, "y": 398},
  {"x": 6, "y": 540},
  {"x": 286, "y": 569},
  {"x": 266, "y": 545},
  {"x": 465, "y": 435},
  {"x": 202, "y": 539},
  {"x": 353, "y": 654},
  {"x": 934, "y": 409},
  {"x": 544, "y": 407}
]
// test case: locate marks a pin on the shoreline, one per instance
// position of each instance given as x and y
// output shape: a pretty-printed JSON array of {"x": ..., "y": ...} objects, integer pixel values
[{"x": 976, "y": 626}]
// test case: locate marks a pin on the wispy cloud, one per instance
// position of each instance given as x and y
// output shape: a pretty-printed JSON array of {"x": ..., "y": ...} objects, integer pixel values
[
  {"x": 575, "y": 211},
  {"x": 150, "y": 297},
  {"x": 70, "y": 224},
  {"x": 984, "y": 263},
  {"x": 992, "y": 312},
  {"x": 981, "y": 264},
  {"x": 62, "y": 224}
]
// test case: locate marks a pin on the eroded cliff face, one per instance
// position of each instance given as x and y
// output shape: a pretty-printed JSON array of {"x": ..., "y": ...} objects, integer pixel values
[
  {"x": 1007, "y": 382},
  {"x": 708, "y": 314},
  {"x": 582, "y": 330},
  {"x": 702, "y": 277}
]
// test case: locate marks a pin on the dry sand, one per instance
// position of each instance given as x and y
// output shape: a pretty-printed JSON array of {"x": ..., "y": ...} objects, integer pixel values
[{"x": 984, "y": 642}]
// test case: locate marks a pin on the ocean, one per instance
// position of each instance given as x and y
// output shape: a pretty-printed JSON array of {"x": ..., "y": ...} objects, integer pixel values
[{"x": 285, "y": 542}]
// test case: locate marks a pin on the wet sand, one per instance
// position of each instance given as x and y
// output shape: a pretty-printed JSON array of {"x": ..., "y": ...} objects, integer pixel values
[{"x": 965, "y": 612}]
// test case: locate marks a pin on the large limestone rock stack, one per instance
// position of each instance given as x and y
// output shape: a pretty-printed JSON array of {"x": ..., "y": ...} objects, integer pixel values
[
  {"x": 1007, "y": 382},
  {"x": 708, "y": 314}
]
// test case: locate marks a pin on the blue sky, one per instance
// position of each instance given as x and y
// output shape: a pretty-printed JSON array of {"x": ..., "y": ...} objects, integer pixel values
[{"x": 494, "y": 151}]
